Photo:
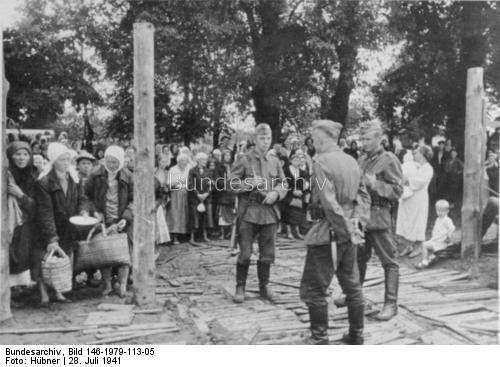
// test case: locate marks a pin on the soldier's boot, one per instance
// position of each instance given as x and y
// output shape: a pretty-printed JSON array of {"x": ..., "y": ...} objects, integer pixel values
[
  {"x": 390, "y": 308},
  {"x": 355, "y": 315},
  {"x": 318, "y": 318},
  {"x": 241, "y": 280},
  {"x": 263, "y": 273}
]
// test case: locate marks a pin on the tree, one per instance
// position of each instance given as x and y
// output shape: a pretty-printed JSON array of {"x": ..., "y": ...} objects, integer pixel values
[
  {"x": 44, "y": 62},
  {"x": 338, "y": 29},
  {"x": 199, "y": 65},
  {"x": 441, "y": 41}
]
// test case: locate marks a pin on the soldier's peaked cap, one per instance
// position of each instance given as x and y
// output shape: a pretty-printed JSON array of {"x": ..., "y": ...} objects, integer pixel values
[{"x": 332, "y": 128}]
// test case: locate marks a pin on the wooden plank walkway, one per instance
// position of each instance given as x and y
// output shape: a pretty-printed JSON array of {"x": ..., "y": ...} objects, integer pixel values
[{"x": 437, "y": 306}]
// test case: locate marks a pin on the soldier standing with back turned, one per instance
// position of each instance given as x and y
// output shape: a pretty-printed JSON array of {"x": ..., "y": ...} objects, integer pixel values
[{"x": 340, "y": 206}]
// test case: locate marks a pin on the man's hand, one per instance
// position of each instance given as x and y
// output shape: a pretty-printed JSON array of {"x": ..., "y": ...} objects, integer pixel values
[
  {"x": 297, "y": 193},
  {"x": 270, "y": 198}
]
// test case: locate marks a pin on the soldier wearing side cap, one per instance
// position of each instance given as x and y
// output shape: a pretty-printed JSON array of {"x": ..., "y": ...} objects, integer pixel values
[
  {"x": 340, "y": 207},
  {"x": 259, "y": 181},
  {"x": 383, "y": 178}
]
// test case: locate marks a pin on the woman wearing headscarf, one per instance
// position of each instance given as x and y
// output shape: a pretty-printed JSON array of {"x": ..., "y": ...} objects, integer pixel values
[
  {"x": 294, "y": 202},
  {"x": 174, "y": 152},
  {"x": 110, "y": 191},
  {"x": 59, "y": 197},
  {"x": 21, "y": 197},
  {"x": 414, "y": 204},
  {"x": 178, "y": 207},
  {"x": 200, "y": 187}
]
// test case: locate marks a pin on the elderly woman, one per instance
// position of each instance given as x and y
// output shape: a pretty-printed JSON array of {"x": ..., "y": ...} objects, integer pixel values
[
  {"x": 200, "y": 187},
  {"x": 178, "y": 208},
  {"x": 59, "y": 197},
  {"x": 294, "y": 202},
  {"x": 110, "y": 192},
  {"x": 225, "y": 198},
  {"x": 21, "y": 191},
  {"x": 414, "y": 204}
]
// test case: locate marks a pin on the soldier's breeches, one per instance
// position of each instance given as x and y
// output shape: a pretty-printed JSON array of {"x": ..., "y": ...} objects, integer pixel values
[{"x": 265, "y": 235}]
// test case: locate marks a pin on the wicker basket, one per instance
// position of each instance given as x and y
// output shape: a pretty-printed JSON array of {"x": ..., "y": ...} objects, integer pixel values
[
  {"x": 57, "y": 273},
  {"x": 102, "y": 251}
]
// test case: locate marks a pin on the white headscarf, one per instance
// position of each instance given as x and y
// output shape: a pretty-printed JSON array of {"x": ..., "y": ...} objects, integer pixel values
[
  {"x": 116, "y": 152},
  {"x": 54, "y": 151}
]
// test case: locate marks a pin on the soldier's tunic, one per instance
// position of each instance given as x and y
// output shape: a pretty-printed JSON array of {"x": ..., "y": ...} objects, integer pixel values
[
  {"x": 257, "y": 220},
  {"x": 386, "y": 190},
  {"x": 338, "y": 196}
]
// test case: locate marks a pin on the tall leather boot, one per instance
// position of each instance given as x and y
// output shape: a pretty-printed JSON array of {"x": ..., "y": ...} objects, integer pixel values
[
  {"x": 318, "y": 318},
  {"x": 241, "y": 280},
  {"x": 355, "y": 315},
  {"x": 390, "y": 308},
  {"x": 264, "y": 272}
]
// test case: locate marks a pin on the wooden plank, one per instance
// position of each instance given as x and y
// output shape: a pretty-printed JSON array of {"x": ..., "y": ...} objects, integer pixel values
[
  {"x": 144, "y": 194},
  {"x": 109, "y": 318},
  {"x": 114, "y": 307},
  {"x": 130, "y": 336},
  {"x": 46, "y": 330}
]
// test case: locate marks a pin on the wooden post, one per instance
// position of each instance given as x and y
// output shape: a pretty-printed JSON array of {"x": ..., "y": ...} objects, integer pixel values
[
  {"x": 5, "y": 312},
  {"x": 144, "y": 194},
  {"x": 473, "y": 165}
]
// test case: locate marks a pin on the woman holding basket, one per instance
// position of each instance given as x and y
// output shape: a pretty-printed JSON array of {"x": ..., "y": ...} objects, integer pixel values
[
  {"x": 58, "y": 196},
  {"x": 110, "y": 191}
]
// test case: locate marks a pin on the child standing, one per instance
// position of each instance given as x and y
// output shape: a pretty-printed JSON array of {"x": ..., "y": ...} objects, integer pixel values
[{"x": 443, "y": 228}]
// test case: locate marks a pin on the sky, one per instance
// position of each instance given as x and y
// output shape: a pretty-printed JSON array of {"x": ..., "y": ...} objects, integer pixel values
[{"x": 8, "y": 13}]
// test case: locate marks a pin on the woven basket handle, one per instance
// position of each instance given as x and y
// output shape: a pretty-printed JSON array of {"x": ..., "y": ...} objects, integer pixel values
[{"x": 92, "y": 231}]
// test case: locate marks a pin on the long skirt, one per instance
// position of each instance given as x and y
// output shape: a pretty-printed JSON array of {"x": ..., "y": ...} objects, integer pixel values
[
  {"x": 178, "y": 212},
  {"x": 293, "y": 215},
  {"x": 201, "y": 220},
  {"x": 162, "y": 233},
  {"x": 226, "y": 215}
]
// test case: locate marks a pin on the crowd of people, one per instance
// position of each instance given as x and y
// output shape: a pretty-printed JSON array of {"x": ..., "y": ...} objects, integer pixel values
[{"x": 51, "y": 182}]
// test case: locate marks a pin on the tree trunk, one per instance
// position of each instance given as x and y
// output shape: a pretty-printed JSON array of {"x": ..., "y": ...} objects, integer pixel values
[
  {"x": 266, "y": 111},
  {"x": 217, "y": 124},
  {"x": 472, "y": 54},
  {"x": 339, "y": 104}
]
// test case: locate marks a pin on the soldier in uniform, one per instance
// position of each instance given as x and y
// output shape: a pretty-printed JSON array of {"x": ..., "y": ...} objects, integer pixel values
[
  {"x": 383, "y": 179},
  {"x": 340, "y": 206},
  {"x": 259, "y": 181}
]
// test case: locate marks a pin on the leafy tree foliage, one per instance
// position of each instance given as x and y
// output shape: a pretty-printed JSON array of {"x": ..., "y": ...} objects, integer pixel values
[
  {"x": 44, "y": 62},
  {"x": 426, "y": 87}
]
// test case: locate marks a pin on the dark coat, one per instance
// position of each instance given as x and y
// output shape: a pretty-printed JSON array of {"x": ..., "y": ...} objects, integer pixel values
[
  {"x": 96, "y": 188},
  {"x": 224, "y": 195},
  {"x": 293, "y": 184},
  {"x": 54, "y": 209},
  {"x": 199, "y": 184},
  {"x": 22, "y": 239}
]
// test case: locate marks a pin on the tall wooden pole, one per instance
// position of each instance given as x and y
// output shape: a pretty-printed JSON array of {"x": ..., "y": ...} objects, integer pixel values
[
  {"x": 5, "y": 312},
  {"x": 144, "y": 200},
  {"x": 473, "y": 165}
]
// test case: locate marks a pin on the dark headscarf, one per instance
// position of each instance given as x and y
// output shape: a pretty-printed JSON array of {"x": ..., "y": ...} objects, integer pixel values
[{"x": 22, "y": 176}]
